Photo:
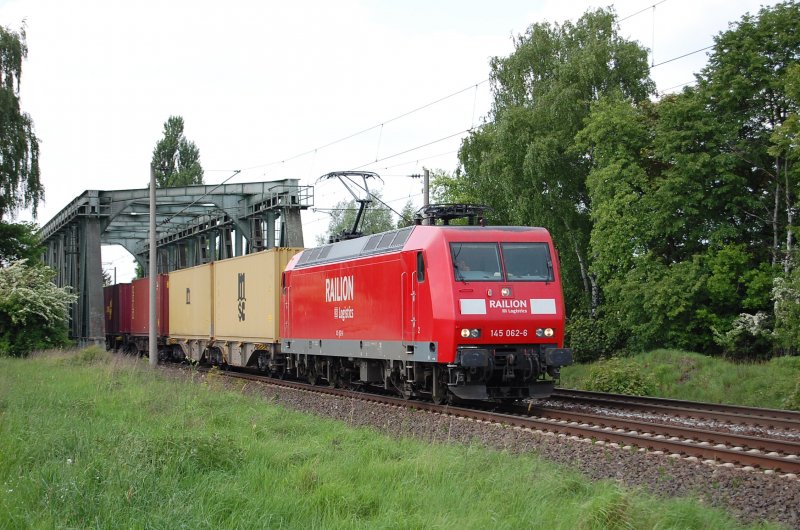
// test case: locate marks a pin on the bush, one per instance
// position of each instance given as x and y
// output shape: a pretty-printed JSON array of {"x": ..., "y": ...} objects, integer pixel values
[
  {"x": 620, "y": 375},
  {"x": 594, "y": 338},
  {"x": 748, "y": 339},
  {"x": 33, "y": 311}
]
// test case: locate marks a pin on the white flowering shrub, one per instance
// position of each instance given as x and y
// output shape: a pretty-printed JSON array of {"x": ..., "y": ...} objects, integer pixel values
[
  {"x": 34, "y": 312},
  {"x": 750, "y": 337}
]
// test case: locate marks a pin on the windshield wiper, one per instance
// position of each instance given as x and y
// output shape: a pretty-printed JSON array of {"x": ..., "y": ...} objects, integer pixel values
[{"x": 459, "y": 275}]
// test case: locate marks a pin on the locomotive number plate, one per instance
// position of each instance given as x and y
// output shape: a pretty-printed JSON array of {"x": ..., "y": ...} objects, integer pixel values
[{"x": 509, "y": 333}]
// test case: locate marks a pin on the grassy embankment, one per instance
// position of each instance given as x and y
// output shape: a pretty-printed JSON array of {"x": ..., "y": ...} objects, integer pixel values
[
  {"x": 696, "y": 377},
  {"x": 87, "y": 440}
]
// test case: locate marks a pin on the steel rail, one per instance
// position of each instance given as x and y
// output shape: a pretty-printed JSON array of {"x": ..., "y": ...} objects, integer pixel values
[
  {"x": 718, "y": 407},
  {"x": 689, "y": 433},
  {"x": 770, "y": 418}
]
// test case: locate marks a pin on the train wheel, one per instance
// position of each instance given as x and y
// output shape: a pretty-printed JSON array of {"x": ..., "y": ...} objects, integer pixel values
[
  {"x": 439, "y": 392},
  {"x": 312, "y": 375}
]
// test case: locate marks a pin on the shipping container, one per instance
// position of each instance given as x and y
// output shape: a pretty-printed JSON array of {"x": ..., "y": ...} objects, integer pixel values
[
  {"x": 247, "y": 296},
  {"x": 117, "y": 308},
  {"x": 191, "y": 303},
  {"x": 140, "y": 306}
]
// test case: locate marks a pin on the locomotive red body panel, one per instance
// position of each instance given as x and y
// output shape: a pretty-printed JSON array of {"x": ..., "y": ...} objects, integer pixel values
[
  {"x": 140, "y": 306},
  {"x": 350, "y": 301}
]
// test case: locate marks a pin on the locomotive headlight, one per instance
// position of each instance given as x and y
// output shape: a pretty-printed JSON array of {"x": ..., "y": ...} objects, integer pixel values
[
  {"x": 545, "y": 332},
  {"x": 473, "y": 333},
  {"x": 505, "y": 291}
]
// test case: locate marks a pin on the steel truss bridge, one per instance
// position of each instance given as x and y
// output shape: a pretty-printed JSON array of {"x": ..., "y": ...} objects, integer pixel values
[{"x": 194, "y": 225}]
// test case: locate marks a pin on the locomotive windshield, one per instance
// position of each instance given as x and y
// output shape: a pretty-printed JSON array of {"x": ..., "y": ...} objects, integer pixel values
[
  {"x": 524, "y": 262},
  {"x": 527, "y": 262},
  {"x": 475, "y": 261}
]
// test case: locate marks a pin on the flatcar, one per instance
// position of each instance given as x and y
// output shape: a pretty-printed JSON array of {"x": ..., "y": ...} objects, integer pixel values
[{"x": 471, "y": 312}]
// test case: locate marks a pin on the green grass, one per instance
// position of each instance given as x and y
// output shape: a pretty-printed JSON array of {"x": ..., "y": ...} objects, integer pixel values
[
  {"x": 91, "y": 440},
  {"x": 696, "y": 377}
]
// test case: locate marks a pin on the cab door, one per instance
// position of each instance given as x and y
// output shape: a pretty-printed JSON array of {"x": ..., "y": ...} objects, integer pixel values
[{"x": 411, "y": 278}]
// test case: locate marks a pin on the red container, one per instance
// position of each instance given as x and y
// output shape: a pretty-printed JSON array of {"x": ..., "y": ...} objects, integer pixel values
[
  {"x": 140, "y": 306},
  {"x": 117, "y": 308}
]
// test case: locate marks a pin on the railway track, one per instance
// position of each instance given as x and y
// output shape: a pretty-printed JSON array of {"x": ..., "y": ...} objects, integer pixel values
[
  {"x": 768, "y": 454},
  {"x": 732, "y": 414}
]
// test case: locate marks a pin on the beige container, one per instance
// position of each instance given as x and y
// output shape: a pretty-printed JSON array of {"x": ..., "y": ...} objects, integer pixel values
[
  {"x": 247, "y": 296},
  {"x": 190, "y": 303}
]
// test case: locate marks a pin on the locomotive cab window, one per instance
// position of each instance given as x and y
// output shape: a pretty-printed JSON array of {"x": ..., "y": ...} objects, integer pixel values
[
  {"x": 475, "y": 261},
  {"x": 527, "y": 262}
]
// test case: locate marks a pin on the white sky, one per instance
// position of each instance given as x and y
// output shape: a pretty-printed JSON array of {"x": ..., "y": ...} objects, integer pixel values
[{"x": 260, "y": 82}]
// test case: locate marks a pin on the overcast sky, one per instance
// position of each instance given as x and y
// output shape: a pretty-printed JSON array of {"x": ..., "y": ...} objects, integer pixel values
[{"x": 260, "y": 82}]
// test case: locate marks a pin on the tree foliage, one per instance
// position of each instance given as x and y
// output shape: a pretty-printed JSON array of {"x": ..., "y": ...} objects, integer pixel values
[
  {"x": 19, "y": 241},
  {"x": 377, "y": 218},
  {"x": 20, "y": 185},
  {"x": 692, "y": 203},
  {"x": 406, "y": 217},
  {"x": 524, "y": 161},
  {"x": 176, "y": 160},
  {"x": 33, "y": 311}
]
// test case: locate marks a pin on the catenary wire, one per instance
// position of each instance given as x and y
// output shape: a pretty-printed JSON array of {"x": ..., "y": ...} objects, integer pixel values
[{"x": 381, "y": 124}]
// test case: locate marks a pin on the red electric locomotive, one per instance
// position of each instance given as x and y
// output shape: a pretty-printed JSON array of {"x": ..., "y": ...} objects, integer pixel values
[{"x": 436, "y": 311}]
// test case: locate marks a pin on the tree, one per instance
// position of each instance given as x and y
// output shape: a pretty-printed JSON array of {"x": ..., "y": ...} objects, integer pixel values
[
  {"x": 20, "y": 186},
  {"x": 376, "y": 219},
  {"x": 19, "y": 241},
  {"x": 786, "y": 290},
  {"x": 33, "y": 312},
  {"x": 686, "y": 197},
  {"x": 524, "y": 162},
  {"x": 744, "y": 86},
  {"x": 406, "y": 217},
  {"x": 176, "y": 160}
]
